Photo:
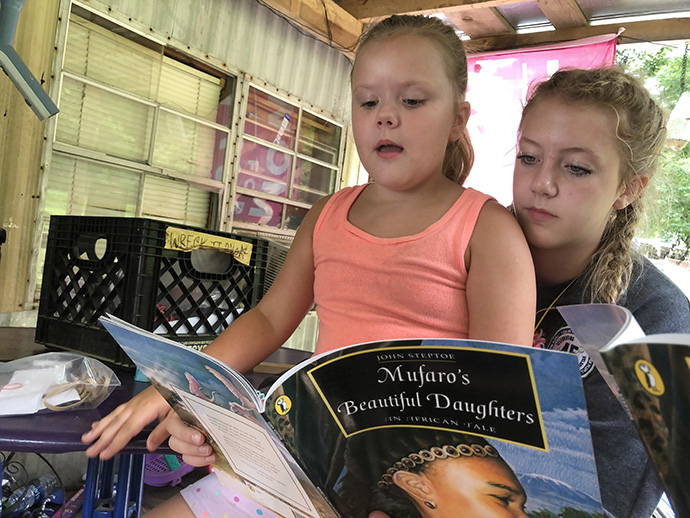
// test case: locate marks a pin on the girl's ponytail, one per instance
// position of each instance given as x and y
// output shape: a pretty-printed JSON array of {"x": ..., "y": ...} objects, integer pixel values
[{"x": 459, "y": 159}]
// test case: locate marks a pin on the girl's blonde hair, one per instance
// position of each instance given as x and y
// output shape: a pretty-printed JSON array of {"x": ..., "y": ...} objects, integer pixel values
[
  {"x": 459, "y": 155},
  {"x": 641, "y": 133}
]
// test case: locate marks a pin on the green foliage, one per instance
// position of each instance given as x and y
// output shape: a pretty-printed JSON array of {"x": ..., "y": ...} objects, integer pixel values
[
  {"x": 566, "y": 512},
  {"x": 660, "y": 71},
  {"x": 569, "y": 512},
  {"x": 673, "y": 199},
  {"x": 543, "y": 513},
  {"x": 668, "y": 201}
]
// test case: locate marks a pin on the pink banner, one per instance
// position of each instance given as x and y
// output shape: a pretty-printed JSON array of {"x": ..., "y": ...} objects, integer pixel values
[{"x": 497, "y": 85}]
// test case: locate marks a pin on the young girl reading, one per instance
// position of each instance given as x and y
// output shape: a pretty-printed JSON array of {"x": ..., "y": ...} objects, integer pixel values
[
  {"x": 589, "y": 141},
  {"x": 412, "y": 254}
]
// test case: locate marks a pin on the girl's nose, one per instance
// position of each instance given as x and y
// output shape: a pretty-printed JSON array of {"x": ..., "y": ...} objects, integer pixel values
[
  {"x": 386, "y": 116},
  {"x": 543, "y": 182}
]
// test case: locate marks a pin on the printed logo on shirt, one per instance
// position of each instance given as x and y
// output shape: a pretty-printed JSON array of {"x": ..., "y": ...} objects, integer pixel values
[{"x": 564, "y": 340}]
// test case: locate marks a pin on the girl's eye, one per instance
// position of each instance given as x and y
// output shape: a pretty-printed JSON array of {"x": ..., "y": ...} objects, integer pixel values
[
  {"x": 505, "y": 500},
  {"x": 527, "y": 159},
  {"x": 369, "y": 104},
  {"x": 578, "y": 170},
  {"x": 413, "y": 102}
]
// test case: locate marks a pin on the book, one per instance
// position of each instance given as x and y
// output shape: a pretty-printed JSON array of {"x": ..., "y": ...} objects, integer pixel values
[
  {"x": 383, "y": 425},
  {"x": 650, "y": 375},
  {"x": 653, "y": 374}
]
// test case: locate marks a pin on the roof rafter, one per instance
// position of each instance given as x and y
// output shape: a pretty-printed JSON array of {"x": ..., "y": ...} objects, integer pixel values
[
  {"x": 325, "y": 20},
  {"x": 480, "y": 22},
  {"x": 340, "y": 22},
  {"x": 563, "y": 13},
  {"x": 366, "y": 9},
  {"x": 656, "y": 30}
]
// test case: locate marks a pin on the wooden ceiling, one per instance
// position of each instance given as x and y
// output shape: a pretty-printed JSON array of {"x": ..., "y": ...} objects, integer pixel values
[{"x": 340, "y": 22}]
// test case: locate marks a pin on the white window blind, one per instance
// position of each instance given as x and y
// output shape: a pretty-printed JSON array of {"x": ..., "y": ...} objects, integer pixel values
[
  {"x": 186, "y": 146},
  {"x": 103, "y": 56},
  {"x": 121, "y": 101},
  {"x": 138, "y": 133},
  {"x": 181, "y": 198},
  {"x": 99, "y": 120},
  {"x": 86, "y": 188},
  {"x": 186, "y": 89}
]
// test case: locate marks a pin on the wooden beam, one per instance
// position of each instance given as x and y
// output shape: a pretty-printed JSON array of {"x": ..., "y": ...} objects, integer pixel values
[
  {"x": 655, "y": 30},
  {"x": 325, "y": 20},
  {"x": 21, "y": 144},
  {"x": 478, "y": 23},
  {"x": 563, "y": 13},
  {"x": 366, "y": 9}
]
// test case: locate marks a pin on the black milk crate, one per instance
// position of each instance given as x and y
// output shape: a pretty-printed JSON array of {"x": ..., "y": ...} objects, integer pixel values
[{"x": 121, "y": 266}]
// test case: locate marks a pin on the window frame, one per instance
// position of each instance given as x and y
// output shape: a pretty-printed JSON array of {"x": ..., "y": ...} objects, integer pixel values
[
  {"x": 238, "y": 83},
  {"x": 148, "y": 167},
  {"x": 302, "y": 107}
]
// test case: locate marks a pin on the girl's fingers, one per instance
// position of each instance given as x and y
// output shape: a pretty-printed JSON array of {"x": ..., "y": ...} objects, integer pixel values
[
  {"x": 193, "y": 454},
  {"x": 188, "y": 441},
  {"x": 97, "y": 427},
  {"x": 157, "y": 436},
  {"x": 114, "y": 431}
]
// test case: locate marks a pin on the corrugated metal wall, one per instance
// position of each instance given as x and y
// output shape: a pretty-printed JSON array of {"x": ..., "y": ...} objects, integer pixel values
[{"x": 247, "y": 36}]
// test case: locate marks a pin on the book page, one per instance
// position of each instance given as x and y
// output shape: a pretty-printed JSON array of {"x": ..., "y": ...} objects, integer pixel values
[
  {"x": 160, "y": 358},
  {"x": 597, "y": 326},
  {"x": 601, "y": 325},
  {"x": 251, "y": 452}
]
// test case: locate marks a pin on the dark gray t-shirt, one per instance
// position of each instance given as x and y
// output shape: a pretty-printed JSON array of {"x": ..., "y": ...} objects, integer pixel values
[{"x": 627, "y": 479}]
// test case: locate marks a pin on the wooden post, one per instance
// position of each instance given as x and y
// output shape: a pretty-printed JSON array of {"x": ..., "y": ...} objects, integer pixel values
[{"x": 21, "y": 144}]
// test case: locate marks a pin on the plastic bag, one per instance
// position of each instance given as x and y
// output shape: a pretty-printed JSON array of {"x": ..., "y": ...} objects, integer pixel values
[{"x": 54, "y": 381}]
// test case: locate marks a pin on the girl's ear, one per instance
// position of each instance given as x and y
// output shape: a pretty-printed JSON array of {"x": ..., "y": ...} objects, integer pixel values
[
  {"x": 415, "y": 485},
  {"x": 462, "y": 115},
  {"x": 631, "y": 191}
]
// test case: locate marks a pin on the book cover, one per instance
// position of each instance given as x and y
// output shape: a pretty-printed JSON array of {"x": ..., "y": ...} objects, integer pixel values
[
  {"x": 413, "y": 428},
  {"x": 650, "y": 376},
  {"x": 653, "y": 374}
]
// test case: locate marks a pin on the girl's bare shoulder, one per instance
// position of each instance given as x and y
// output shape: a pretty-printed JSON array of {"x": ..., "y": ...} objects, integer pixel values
[{"x": 497, "y": 227}]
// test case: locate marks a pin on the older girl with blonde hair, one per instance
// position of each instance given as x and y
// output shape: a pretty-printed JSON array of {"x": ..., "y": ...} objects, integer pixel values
[{"x": 589, "y": 143}]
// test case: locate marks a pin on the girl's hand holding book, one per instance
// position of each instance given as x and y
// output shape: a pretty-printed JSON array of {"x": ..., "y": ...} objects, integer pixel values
[
  {"x": 112, "y": 433},
  {"x": 189, "y": 441}
]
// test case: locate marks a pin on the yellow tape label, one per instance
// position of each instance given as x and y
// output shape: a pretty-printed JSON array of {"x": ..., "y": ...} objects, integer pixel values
[{"x": 188, "y": 240}]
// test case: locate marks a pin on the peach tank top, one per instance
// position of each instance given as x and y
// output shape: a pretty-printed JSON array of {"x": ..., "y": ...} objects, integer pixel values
[{"x": 368, "y": 288}]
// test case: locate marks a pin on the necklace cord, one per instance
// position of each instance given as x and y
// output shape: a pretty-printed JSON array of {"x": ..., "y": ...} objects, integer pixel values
[{"x": 552, "y": 304}]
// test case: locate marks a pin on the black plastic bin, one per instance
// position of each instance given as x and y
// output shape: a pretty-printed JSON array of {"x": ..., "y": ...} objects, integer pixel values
[{"x": 121, "y": 266}]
